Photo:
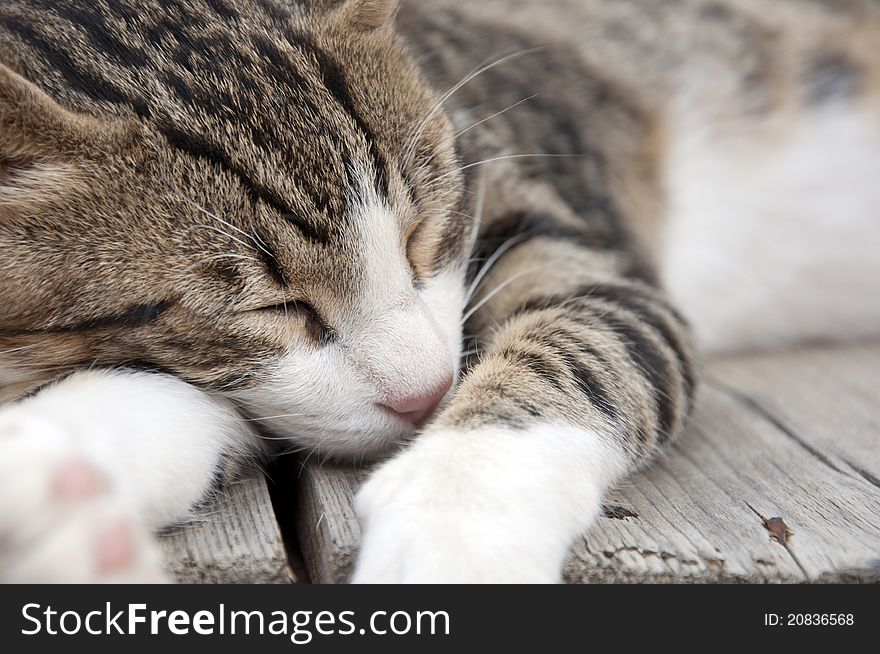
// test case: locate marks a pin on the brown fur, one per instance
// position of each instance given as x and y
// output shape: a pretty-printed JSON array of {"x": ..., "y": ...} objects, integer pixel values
[
  {"x": 167, "y": 132},
  {"x": 162, "y": 113}
]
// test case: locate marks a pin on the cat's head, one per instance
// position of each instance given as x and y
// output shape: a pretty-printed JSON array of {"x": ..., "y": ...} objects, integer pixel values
[{"x": 274, "y": 216}]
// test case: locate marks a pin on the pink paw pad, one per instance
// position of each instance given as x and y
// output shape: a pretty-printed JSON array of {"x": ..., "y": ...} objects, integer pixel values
[
  {"x": 115, "y": 546},
  {"x": 75, "y": 479}
]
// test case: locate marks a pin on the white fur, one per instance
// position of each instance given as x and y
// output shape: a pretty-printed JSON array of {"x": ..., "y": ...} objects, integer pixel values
[
  {"x": 154, "y": 441},
  {"x": 402, "y": 340},
  {"x": 775, "y": 231},
  {"x": 489, "y": 505}
]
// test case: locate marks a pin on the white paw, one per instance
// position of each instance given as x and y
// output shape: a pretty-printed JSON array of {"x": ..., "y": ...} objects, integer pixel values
[
  {"x": 469, "y": 508},
  {"x": 60, "y": 521}
]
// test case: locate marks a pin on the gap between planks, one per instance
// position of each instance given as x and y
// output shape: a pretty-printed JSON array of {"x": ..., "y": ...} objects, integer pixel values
[{"x": 236, "y": 540}]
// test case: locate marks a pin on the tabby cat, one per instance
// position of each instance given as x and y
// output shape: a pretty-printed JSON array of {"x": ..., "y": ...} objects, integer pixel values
[{"x": 227, "y": 225}]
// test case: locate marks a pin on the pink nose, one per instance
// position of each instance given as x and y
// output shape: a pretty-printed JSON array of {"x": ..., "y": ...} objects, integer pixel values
[{"x": 417, "y": 408}]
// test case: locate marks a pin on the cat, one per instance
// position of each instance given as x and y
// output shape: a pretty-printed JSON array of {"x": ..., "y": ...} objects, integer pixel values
[{"x": 232, "y": 225}]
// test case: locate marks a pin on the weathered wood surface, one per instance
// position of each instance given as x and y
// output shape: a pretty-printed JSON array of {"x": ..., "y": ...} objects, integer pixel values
[
  {"x": 794, "y": 435},
  {"x": 327, "y": 528},
  {"x": 236, "y": 540}
]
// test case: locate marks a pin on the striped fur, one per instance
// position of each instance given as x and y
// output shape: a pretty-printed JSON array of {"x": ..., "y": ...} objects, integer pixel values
[
  {"x": 177, "y": 116},
  {"x": 273, "y": 203}
]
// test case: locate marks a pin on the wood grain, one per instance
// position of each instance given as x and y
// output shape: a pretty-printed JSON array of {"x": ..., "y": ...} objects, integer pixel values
[
  {"x": 327, "y": 528},
  {"x": 792, "y": 435},
  {"x": 236, "y": 540}
]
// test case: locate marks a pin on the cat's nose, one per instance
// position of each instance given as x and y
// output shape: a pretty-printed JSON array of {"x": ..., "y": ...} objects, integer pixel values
[{"x": 418, "y": 407}]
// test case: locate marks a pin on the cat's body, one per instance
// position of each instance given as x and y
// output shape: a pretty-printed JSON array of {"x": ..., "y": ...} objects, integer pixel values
[
  {"x": 261, "y": 212},
  {"x": 754, "y": 113}
]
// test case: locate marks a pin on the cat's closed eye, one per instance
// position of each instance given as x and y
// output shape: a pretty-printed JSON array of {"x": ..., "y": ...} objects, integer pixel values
[{"x": 314, "y": 324}]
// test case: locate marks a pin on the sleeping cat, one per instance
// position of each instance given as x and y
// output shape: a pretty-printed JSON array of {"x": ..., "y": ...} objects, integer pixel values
[{"x": 342, "y": 225}]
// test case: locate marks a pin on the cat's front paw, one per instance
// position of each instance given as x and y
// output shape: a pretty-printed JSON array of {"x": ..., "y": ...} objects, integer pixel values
[
  {"x": 60, "y": 520},
  {"x": 441, "y": 512}
]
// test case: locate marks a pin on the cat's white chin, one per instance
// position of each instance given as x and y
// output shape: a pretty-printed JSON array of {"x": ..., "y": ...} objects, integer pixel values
[
  {"x": 491, "y": 505},
  {"x": 364, "y": 446}
]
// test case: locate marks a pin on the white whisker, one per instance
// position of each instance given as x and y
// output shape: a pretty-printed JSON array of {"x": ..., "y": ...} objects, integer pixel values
[
  {"x": 505, "y": 157},
  {"x": 408, "y": 150},
  {"x": 18, "y": 349},
  {"x": 278, "y": 417},
  {"x": 495, "y": 291},
  {"x": 256, "y": 242},
  {"x": 509, "y": 243},
  {"x": 495, "y": 115},
  {"x": 227, "y": 235},
  {"x": 273, "y": 438},
  {"x": 478, "y": 216}
]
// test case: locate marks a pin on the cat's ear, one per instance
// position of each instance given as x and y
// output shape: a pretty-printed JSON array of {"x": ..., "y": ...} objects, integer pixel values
[
  {"x": 364, "y": 15},
  {"x": 40, "y": 143}
]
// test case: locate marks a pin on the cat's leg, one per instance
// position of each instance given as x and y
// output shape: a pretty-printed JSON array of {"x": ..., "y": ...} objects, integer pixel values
[
  {"x": 586, "y": 370},
  {"x": 92, "y": 465}
]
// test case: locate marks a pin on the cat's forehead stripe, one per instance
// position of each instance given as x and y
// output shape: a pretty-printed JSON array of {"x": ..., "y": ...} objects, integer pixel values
[
  {"x": 289, "y": 60},
  {"x": 136, "y": 316},
  {"x": 335, "y": 82},
  {"x": 202, "y": 149}
]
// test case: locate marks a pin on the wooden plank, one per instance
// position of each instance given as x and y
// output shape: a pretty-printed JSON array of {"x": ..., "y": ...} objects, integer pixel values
[
  {"x": 327, "y": 528},
  {"x": 693, "y": 517},
  {"x": 828, "y": 399},
  {"x": 791, "y": 435},
  {"x": 236, "y": 540}
]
